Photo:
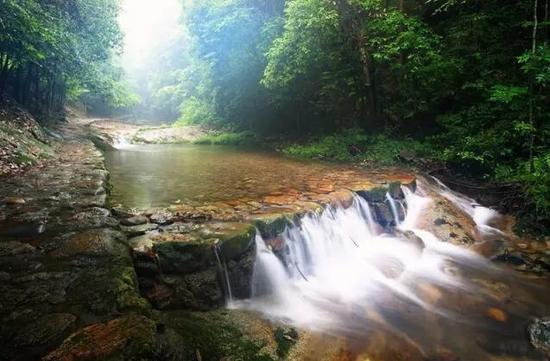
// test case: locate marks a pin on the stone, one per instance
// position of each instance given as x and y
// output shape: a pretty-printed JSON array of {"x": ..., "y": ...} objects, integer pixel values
[
  {"x": 271, "y": 225},
  {"x": 539, "y": 334},
  {"x": 411, "y": 237},
  {"x": 139, "y": 229},
  {"x": 13, "y": 248},
  {"x": 162, "y": 217},
  {"x": 94, "y": 242},
  {"x": 497, "y": 314},
  {"x": 144, "y": 242},
  {"x": 184, "y": 257},
  {"x": 14, "y": 200},
  {"x": 513, "y": 258},
  {"x": 394, "y": 189},
  {"x": 45, "y": 330},
  {"x": 237, "y": 242},
  {"x": 374, "y": 195},
  {"x": 94, "y": 217},
  {"x": 134, "y": 220},
  {"x": 129, "y": 337}
]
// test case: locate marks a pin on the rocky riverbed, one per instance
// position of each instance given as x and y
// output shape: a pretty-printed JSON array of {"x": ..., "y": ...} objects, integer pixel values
[{"x": 83, "y": 279}]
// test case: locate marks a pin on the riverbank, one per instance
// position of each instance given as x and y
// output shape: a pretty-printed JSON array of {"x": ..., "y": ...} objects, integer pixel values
[{"x": 69, "y": 288}]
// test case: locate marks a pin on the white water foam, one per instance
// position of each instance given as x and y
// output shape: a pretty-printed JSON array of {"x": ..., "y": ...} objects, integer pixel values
[{"x": 339, "y": 261}]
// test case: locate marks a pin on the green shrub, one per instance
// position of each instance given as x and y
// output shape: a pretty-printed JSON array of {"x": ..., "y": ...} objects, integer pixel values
[
  {"x": 355, "y": 145},
  {"x": 228, "y": 138}
]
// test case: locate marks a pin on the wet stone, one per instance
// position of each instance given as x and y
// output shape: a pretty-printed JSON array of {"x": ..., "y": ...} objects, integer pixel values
[
  {"x": 46, "y": 330},
  {"x": 139, "y": 229},
  {"x": 162, "y": 218},
  {"x": 94, "y": 217},
  {"x": 13, "y": 248},
  {"x": 539, "y": 334},
  {"x": 134, "y": 221},
  {"x": 128, "y": 338}
]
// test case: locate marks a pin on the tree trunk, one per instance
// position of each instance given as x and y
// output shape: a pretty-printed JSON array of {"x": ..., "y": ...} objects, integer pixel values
[
  {"x": 3, "y": 73},
  {"x": 26, "y": 88},
  {"x": 352, "y": 19},
  {"x": 531, "y": 89}
]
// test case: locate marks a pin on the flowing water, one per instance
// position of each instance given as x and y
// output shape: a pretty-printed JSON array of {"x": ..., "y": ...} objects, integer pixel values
[{"x": 341, "y": 274}]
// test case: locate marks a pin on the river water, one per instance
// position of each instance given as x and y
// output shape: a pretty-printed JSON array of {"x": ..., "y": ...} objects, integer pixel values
[
  {"x": 159, "y": 175},
  {"x": 401, "y": 290}
]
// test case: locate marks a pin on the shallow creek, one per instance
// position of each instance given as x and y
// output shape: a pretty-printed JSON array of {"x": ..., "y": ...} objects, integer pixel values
[
  {"x": 158, "y": 175},
  {"x": 339, "y": 272}
]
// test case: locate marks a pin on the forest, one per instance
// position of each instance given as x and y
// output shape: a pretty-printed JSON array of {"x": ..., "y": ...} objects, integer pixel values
[{"x": 461, "y": 83}]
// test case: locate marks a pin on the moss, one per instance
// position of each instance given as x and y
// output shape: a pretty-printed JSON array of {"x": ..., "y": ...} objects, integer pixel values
[
  {"x": 273, "y": 224},
  {"x": 235, "y": 244},
  {"x": 184, "y": 257},
  {"x": 285, "y": 338},
  {"x": 375, "y": 195},
  {"x": 213, "y": 337}
]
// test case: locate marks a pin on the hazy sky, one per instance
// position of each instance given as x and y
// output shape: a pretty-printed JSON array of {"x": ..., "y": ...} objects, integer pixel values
[{"x": 146, "y": 24}]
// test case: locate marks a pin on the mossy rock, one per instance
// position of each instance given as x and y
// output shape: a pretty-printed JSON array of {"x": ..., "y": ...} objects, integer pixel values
[
  {"x": 129, "y": 337},
  {"x": 184, "y": 257},
  {"x": 238, "y": 243},
  {"x": 214, "y": 337},
  {"x": 374, "y": 195},
  {"x": 285, "y": 338},
  {"x": 271, "y": 225},
  {"x": 395, "y": 191},
  {"x": 107, "y": 289}
]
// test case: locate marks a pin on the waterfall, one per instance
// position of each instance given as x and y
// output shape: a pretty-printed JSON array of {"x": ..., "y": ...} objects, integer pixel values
[
  {"x": 122, "y": 142},
  {"x": 340, "y": 260},
  {"x": 393, "y": 207},
  {"x": 222, "y": 267},
  {"x": 481, "y": 216}
]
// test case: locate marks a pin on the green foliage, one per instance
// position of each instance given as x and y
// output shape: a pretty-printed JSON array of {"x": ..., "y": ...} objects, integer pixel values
[
  {"x": 64, "y": 47},
  {"x": 196, "y": 111},
  {"x": 285, "y": 338},
  {"x": 227, "y": 138},
  {"x": 356, "y": 145}
]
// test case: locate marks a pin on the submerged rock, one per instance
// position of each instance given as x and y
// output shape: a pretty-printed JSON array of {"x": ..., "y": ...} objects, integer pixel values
[{"x": 539, "y": 334}]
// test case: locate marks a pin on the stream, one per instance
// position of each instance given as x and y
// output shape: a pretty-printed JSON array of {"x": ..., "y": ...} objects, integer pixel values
[{"x": 339, "y": 272}]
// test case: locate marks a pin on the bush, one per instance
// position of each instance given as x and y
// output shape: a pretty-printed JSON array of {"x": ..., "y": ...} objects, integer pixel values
[
  {"x": 355, "y": 145},
  {"x": 228, "y": 138}
]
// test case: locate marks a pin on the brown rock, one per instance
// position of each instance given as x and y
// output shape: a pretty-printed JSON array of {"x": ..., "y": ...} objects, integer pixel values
[
  {"x": 497, "y": 314},
  {"x": 129, "y": 337}
]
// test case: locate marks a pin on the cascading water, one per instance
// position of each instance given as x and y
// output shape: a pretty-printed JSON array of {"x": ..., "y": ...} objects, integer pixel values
[
  {"x": 393, "y": 207},
  {"x": 222, "y": 269},
  {"x": 482, "y": 216},
  {"x": 122, "y": 143},
  {"x": 338, "y": 273}
]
